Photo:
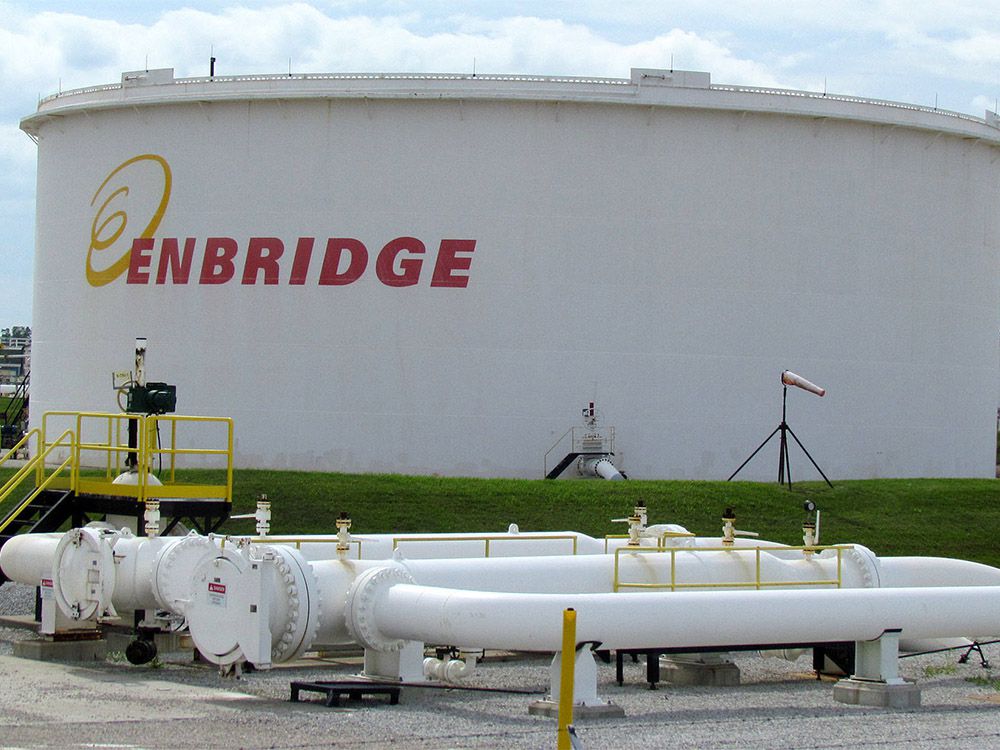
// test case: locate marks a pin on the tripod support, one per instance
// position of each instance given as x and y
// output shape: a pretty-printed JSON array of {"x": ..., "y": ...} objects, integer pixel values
[{"x": 784, "y": 466}]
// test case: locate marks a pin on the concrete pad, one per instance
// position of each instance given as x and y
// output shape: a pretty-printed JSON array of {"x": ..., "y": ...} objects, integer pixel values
[
  {"x": 693, "y": 672},
  {"x": 877, "y": 694},
  {"x": 85, "y": 650},
  {"x": 550, "y": 709}
]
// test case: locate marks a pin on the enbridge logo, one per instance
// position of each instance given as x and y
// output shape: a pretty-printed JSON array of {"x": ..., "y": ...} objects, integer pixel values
[
  {"x": 144, "y": 258},
  {"x": 111, "y": 218}
]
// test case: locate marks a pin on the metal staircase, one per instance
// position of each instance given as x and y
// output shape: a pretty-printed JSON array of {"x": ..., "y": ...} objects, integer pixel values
[
  {"x": 591, "y": 440},
  {"x": 13, "y": 414},
  {"x": 76, "y": 478}
]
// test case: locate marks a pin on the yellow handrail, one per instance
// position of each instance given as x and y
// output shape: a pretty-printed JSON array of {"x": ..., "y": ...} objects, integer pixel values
[
  {"x": 111, "y": 443},
  {"x": 298, "y": 541},
  {"x": 173, "y": 451},
  {"x": 485, "y": 538},
  {"x": 660, "y": 540},
  {"x": 757, "y": 583},
  {"x": 27, "y": 470}
]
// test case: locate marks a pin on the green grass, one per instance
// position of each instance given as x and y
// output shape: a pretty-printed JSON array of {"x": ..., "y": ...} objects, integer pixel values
[
  {"x": 938, "y": 517},
  {"x": 990, "y": 682}
]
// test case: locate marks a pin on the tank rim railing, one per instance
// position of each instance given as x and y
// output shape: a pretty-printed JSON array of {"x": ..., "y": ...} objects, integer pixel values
[
  {"x": 515, "y": 78},
  {"x": 486, "y": 539},
  {"x": 758, "y": 583},
  {"x": 27, "y": 470}
]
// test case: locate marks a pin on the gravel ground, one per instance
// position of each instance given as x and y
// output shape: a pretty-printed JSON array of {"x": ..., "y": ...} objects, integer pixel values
[{"x": 179, "y": 704}]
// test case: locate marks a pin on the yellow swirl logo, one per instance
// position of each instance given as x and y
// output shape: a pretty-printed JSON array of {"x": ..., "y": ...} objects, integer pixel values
[{"x": 113, "y": 202}]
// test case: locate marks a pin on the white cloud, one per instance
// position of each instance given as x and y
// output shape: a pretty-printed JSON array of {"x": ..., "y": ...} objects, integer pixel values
[
  {"x": 894, "y": 49},
  {"x": 51, "y": 50}
]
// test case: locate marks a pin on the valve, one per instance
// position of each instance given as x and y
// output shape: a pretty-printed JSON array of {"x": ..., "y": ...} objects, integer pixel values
[
  {"x": 636, "y": 524},
  {"x": 810, "y": 527},
  {"x": 263, "y": 516},
  {"x": 729, "y": 530},
  {"x": 343, "y": 533},
  {"x": 152, "y": 517}
]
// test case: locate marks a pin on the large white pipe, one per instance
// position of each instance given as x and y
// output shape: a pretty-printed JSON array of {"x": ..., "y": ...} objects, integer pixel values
[
  {"x": 533, "y": 622},
  {"x": 144, "y": 573},
  {"x": 27, "y": 558},
  {"x": 444, "y": 546},
  {"x": 147, "y": 573},
  {"x": 600, "y": 467},
  {"x": 338, "y": 580},
  {"x": 901, "y": 572},
  {"x": 512, "y": 543},
  {"x": 685, "y": 568}
]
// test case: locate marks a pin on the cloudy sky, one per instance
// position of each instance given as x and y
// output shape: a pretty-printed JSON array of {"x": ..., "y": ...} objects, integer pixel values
[{"x": 936, "y": 53}]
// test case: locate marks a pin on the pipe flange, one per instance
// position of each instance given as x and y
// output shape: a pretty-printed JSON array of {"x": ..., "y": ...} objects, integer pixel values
[
  {"x": 297, "y": 581},
  {"x": 866, "y": 564},
  {"x": 362, "y": 601},
  {"x": 171, "y": 575},
  {"x": 83, "y": 573}
]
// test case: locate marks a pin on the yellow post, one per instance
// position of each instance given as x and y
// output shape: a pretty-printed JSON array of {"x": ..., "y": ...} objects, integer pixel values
[{"x": 568, "y": 665}]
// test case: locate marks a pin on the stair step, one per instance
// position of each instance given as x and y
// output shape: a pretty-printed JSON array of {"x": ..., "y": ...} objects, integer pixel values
[{"x": 21, "y": 522}]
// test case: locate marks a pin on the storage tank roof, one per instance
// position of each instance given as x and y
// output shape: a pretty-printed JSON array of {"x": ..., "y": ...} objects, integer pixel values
[{"x": 644, "y": 87}]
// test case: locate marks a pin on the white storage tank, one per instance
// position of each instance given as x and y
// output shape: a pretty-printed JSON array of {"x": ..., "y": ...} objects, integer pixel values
[{"x": 432, "y": 274}]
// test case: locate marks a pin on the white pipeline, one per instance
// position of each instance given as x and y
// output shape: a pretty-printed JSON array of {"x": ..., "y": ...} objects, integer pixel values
[
  {"x": 533, "y": 622},
  {"x": 27, "y": 558},
  {"x": 600, "y": 467},
  {"x": 267, "y": 603},
  {"x": 149, "y": 573},
  {"x": 227, "y": 579}
]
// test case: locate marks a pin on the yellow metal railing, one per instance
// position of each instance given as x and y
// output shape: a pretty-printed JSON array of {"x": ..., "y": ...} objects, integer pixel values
[
  {"x": 661, "y": 540},
  {"x": 172, "y": 450},
  {"x": 298, "y": 541},
  {"x": 486, "y": 539},
  {"x": 101, "y": 452},
  {"x": 757, "y": 583},
  {"x": 26, "y": 469},
  {"x": 65, "y": 439}
]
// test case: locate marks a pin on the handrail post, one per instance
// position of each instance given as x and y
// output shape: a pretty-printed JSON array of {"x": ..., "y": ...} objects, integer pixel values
[
  {"x": 229, "y": 465},
  {"x": 40, "y": 468},
  {"x": 173, "y": 444},
  {"x": 74, "y": 469},
  {"x": 566, "y": 679},
  {"x": 108, "y": 467}
]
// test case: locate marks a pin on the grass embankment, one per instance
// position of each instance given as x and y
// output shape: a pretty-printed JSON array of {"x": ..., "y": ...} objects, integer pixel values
[{"x": 938, "y": 517}]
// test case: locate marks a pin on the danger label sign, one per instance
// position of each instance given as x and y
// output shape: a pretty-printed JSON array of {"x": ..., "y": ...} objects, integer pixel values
[{"x": 217, "y": 594}]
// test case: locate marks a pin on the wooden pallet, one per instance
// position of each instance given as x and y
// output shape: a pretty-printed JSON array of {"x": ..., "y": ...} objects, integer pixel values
[{"x": 353, "y": 690}]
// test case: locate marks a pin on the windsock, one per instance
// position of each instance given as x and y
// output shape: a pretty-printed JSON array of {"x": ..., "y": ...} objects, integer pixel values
[{"x": 790, "y": 378}]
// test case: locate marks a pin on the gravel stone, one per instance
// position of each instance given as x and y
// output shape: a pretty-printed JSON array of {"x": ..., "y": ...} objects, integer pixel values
[{"x": 177, "y": 703}]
